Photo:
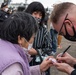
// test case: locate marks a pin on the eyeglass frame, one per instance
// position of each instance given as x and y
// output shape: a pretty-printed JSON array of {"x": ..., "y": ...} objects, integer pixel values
[{"x": 63, "y": 24}]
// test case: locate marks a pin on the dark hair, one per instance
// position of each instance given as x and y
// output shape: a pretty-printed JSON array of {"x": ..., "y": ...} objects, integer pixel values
[
  {"x": 59, "y": 9},
  {"x": 21, "y": 8},
  {"x": 36, "y": 6},
  {"x": 20, "y": 23}
]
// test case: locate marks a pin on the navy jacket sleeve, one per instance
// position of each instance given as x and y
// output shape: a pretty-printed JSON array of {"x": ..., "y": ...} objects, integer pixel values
[
  {"x": 75, "y": 66},
  {"x": 73, "y": 72}
]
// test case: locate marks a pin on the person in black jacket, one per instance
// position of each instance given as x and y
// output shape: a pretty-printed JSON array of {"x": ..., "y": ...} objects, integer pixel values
[
  {"x": 4, "y": 12},
  {"x": 63, "y": 18}
]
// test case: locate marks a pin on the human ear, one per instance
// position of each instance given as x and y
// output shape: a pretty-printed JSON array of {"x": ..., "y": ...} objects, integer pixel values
[
  {"x": 68, "y": 22},
  {"x": 19, "y": 40}
]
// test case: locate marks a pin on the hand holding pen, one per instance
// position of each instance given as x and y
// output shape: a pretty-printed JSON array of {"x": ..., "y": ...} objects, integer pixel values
[
  {"x": 60, "y": 56},
  {"x": 66, "y": 58}
]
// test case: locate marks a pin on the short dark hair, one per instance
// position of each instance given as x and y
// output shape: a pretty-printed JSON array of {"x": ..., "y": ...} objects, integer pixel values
[
  {"x": 20, "y": 23},
  {"x": 59, "y": 9},
  {"x": 36, "y": 6}
]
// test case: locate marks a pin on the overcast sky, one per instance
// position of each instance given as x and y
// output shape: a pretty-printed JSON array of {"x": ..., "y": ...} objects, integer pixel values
[{"x": 46, "y": 3}]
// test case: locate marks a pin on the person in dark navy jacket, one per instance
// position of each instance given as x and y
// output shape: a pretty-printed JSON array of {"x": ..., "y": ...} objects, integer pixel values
[
  {"x": 63, "y": 18},
  {"x": 4, "y": 12}
]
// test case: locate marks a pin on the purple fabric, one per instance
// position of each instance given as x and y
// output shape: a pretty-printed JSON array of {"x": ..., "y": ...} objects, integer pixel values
[
  {"x": 35, "y": 70},
  {"x": 10, "y": 54}
]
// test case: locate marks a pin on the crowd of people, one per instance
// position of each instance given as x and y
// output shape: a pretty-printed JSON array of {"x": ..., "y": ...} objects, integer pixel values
[{"x": 27, "y": 47}]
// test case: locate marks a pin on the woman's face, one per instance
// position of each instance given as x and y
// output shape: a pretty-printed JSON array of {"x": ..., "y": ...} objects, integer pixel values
[{"x": 37, "y": 14}]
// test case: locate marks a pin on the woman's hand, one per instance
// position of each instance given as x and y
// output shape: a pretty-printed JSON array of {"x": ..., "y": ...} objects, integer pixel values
[
  {"x": 46, "y": 64},
  {"x": 32, "y": 51}
]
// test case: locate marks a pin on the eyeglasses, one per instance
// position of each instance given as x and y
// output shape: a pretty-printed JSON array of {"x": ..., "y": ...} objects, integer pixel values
[{"x": 62, "y": 25}]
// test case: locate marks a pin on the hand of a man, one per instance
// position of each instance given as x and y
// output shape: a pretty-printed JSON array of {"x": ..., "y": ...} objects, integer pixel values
[
  {"x": 67, "y": 58},
  {"x": 64, "y": 67}
]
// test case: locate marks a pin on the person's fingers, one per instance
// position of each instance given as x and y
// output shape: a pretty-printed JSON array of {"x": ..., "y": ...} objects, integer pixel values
[
  {"x": 49, "y": 57},
  {"x": 61, "y": 58},
  {"x": 49, "y": 65},
  {"x": 49, "y": 62},
  {"x": 56, "y": 64},
  {"x": 59, "y": 55}
]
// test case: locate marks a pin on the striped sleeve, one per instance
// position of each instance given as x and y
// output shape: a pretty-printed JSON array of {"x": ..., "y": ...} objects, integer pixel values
[{"x": 43, "y": 41}]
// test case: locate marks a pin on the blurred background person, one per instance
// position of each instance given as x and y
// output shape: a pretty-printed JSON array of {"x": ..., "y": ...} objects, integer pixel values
[
  {"x": 20, "y": 8},
  {"x": 4, "y": 12},
  {"x": 53, "y": 34}
]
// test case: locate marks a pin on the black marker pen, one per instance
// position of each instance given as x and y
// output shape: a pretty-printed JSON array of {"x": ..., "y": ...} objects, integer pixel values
[{"x": 65, "y": 50}]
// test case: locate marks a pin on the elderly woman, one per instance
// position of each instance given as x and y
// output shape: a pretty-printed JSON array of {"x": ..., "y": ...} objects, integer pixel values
[{"x": 17, "y": 34}]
